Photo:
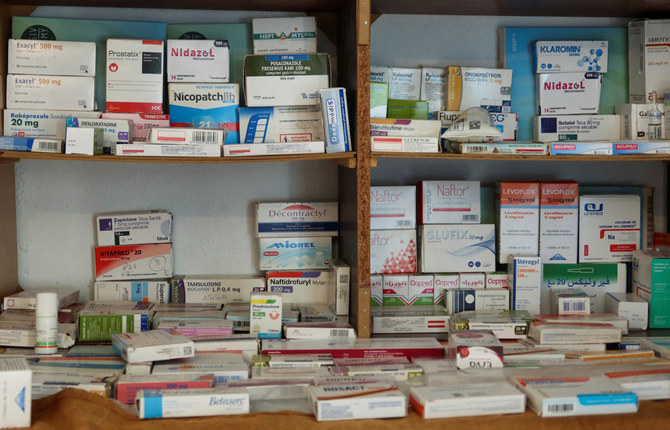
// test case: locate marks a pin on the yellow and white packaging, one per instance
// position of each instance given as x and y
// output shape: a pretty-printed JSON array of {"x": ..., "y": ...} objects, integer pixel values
[
  {"x": 51, "y": 57},
  {"x": 479, "y": 87},
  {"x": 609, "y": 227},
  {"x": 405, "y": 84},
  {"x": 16, "y": 387},
  {"x": 568, "y": 93},
  {"x": 50, "y": 92}
]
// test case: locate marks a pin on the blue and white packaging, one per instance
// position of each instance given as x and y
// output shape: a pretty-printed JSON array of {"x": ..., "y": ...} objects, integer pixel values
[
  {"x": 457, "y": 248},
  {"x": 113, "y": 130},
  {"x": 210, "y": 105},
  {"x": 576, "y": 128},
  {"x": 558, "y": 56},
  {"x": 191, "y": 403},
  {"x": 16, "y": 386},
  {"x": 506, "y": 123},
  {"x": 658, "y": 147},
  {"x": 581, "y": 148},
  {"x": 23, "y": 144},
  {"x": 335, "y": 119},
  {"x": 525, "y": 275},
  {"x": 295, "y": 253},
  {"x": 300, "y": 287},
  {"x": 132, "y": 291},
  {"x": 280, "y": 124},
  {"x": 197, "y": 60},
  {"x": 289, "y": 219}
]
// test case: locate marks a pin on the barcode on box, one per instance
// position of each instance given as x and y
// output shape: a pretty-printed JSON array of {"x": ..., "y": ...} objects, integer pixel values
[
  {"x": 188, "y": 350},
  {"x": 82, "y": 103},
  {"x": 560, "y": 408},
  {"x": 344, "y": 279},
  {"x": 478, "y": 148},
  {"x": 403, "y": 223},
  {"x": 83, "y": 68},
  {"x": 46, "y": 145},
  {"x": 339, "y": 333},
  {"x": 204, "y": 137},
  {"x": 573, "y": 306},
  {"x": 471, "y": 217}
]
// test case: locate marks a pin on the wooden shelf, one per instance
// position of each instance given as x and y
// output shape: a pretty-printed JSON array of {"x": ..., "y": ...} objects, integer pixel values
[
  {"x": 600, "y": 8},
  {"x": 346, "y": 159},
  {"x": 504, "y": 157}
]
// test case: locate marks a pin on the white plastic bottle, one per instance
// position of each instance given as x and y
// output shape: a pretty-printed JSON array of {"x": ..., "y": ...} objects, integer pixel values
[
  {"x": 655, "y": 117},
  {"x": 46, "y": 323}
]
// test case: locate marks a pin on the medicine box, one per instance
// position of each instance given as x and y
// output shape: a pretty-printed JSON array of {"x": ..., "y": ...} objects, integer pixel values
[
  {"x": 170, "y": 150},
  {"x": 25, "y": 144},
  {"x": 295, "y": 253},
  {"x": 472, "y": 349},
  {"x": 197, "y": 60},
  {"x": 16, "y": 384},
  {"x": 634, "y": 120},
  {"x": 187, "y": 136},
  {"x": 596, "y": 279},
  {"x": 50, "y": 92},
  {"x": 285, "y": 80},
  {"x": 131, "y": 262},
  {"x": 134, "y": 76},
  {"x": 191, "y": 402},
  {"x": 570, "y": 301},
  {"x": 288, "y": 35},
  {"x": 357, "y": 401},
  {"x": 559, "y": 217},
  {"x": 405, "y": 84},
  {"x": 380, "y": 74},
  {"x": 449, "y": 202},
  {"x": 568, "y": 93},
  {"x": 554, "y": 128},
  {"x": 392, "y": 207},
  {"x": 396, "y": 290},
  {"x": 404, "y": 144},
  {"x": 407, "y": 109},
  {"x": 339, "y": 286},
  {"x": 280, "y": 124},
  {"x": 51, "y": 57},
  {"x": 393, "y": 251},
  {"x": 525, "y": 275},
  {"x": 287, "y": 219},
  {"x": 478, "y": 87},
  {"x": 648, "y": 67},
  {"x": 132, "y": 291},
  {"x": 629, "y": 307},
  {"x": 266, "y": 315},
  {"x": 496, "y": 280},
  {"x": 476, "y": 300},
  {"x": 609, "y": 227},
  {"x": 26, "y": 299},
  {"x": 46, "y": 124},
  {"x": 433, "y": 89},
  {"x": 285, "y": 148},
  {"x": 655, "y": 147},
  {"x": 507, "y": 123},
  {"x": 561, "y": 56},
  {"x": 114, "y": 131},
  {"x": 206, "y": 106},
  {"x": 518, "y": 212},
  {"x": 142, "y": 123},
  {"x": 405, "y": 127},
  {"x": 410, "y": 319},
  {"x": 443, "y": 282},
  {"x": 457, "y": 248},
  {"x": 134, "y": 228},
  {"x": 298, "y": 287},
  {"x": 379, "y": 98},
  {"x": 152, "y": 345},
  {"x": 96, "y": 327},
  {"x": 472, "y": 281},
  {"x": 651, "y": 282},
  {"x": 127, "y": 386},
  {"x": 85, "y": 141},
  {"x": 376, "y": 290},
  {"x": 224, "y": 367},
  {"x": 420, "y": 291},
  {"x": 335, "y": 119},
  {"x": 215, "y": 289},
  {"x": 467, "y": 400},
  {"x": 581, "y": 148}
]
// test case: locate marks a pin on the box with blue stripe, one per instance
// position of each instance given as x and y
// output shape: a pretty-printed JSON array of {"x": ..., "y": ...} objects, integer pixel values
[
  {"x": 335, "y": 119},
  {"x": 192, "y": 402},
  {"x": 296, "y": 219}
]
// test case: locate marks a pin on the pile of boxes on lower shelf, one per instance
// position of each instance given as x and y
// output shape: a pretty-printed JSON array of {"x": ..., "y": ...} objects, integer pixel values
[{"x": 291, "y": 107}]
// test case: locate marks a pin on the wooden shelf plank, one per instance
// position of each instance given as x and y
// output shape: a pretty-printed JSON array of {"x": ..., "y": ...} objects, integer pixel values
[
  {"x": 504, "y": 157},
  {"x": 344, "y": 158}
]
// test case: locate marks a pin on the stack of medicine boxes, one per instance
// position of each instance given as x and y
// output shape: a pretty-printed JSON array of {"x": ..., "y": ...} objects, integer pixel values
[
  {"x": 393, "y": 250},
  {"x": 133, "y": 262},
  {"x": 56, "y": 76},
  {"x": 285, "y": 82},
  {"x": 452, "y": 241},
  {"x": 296, "y": 250},
  {"x": 569, "y": 78},
  {"x": 199, "y": 92}
]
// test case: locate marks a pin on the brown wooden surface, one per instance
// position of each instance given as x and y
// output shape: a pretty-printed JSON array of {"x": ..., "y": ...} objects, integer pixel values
[
  {"x": 8, "y": 248},
  {"x": 75, "y": 409}
]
